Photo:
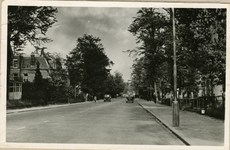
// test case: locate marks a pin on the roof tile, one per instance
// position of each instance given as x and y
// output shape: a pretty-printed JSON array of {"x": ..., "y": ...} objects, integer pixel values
[{"x": 26, "y": 63}]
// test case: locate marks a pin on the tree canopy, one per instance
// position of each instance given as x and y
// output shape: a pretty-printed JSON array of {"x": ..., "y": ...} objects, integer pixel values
[
  {"x": 29, "y": 24},
  {"x": 114, "y": 84},
  {"x": 88, "y": 64},
  {"x": 201, "y": 47}
]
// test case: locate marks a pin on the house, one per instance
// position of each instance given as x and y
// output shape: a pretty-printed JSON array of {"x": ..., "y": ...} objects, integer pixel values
[
  {"x": 15, "y": 82},
  {"x": 22, "y": 69}
]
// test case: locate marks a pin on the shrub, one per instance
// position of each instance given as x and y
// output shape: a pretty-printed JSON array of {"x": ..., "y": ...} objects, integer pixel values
[
  {"x": 19, "y": 104},
  {"x": 218, "y": 113}
]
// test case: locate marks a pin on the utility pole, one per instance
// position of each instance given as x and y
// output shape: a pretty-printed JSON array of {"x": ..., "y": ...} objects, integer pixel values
[{"x": 175, "y": 102}]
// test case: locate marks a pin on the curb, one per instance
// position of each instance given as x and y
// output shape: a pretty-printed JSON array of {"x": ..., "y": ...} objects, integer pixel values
[
  {"x": 43, "y": 108},
  {"x": 19, "y": 111},
  {"x": 165, "y": 125}
]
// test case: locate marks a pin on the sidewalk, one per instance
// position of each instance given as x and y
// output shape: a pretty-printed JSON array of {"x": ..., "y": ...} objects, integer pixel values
[{"x": 194, "y": 129}]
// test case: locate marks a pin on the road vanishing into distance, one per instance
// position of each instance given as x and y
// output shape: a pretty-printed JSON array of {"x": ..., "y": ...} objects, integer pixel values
[{"x": 115, "y": 122}]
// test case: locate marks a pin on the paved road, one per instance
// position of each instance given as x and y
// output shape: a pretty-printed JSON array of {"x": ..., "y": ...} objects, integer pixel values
[{"x": 113, "y": 122}]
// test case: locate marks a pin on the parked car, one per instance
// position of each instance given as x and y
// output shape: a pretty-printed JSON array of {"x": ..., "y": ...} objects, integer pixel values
[
  {"x": 107, "y": 98},
  {"x": 130, "y": 98}
]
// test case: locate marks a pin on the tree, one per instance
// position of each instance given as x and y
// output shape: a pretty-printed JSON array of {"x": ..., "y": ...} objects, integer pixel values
[
  {"x": 153, "y": 31},
  {"x": 201, "y": 48},
  {"x": 87, "y": 65},
  {"x": 110, "y": 86},
  {"x": 29, "y": 24},
  {"x": 114, "y": 84},
  {"x": 119, "y": 82},
  {"x": 202, "y": 40},
  {"x": 58, "y": 74},
  {"x": 59, "y": 78},
  {"x": 38, "y": 78},
  {"x": 38, "y": 84},
  {"x": 138, "y": 75}
]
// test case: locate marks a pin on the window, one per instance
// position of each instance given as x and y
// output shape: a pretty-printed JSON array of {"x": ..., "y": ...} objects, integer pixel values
[
  {"x": 32, "y": 60},
  {"x": 15, "y": 63},
  {"x": 15, "y": 87},
  {"x": 11, "y": 89},
  {"x": 25, "y": 77},
  {"x": 15, "y": 76}
]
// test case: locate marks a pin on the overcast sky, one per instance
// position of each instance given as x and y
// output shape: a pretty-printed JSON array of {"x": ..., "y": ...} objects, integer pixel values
[{"x": 109, "y": 24}]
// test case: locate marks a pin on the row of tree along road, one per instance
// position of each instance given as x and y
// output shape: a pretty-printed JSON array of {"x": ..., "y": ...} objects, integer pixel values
[{"x": 200, "y": 52}]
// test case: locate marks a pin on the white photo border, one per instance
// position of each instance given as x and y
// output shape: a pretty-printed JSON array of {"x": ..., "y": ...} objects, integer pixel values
[{"x": 5, "y": 4}]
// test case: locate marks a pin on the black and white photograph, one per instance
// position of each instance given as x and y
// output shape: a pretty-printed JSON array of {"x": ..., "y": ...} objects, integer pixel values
[{"x": 114, "y": 75}]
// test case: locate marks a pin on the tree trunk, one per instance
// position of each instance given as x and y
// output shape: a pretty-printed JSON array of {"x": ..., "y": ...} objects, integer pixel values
[
  {"x": 211, "y": 87},
  {"x": 75, "y": 92},
  {"x": 160, "y": 90},
  {"x": 155, "y": 88},
  {"x": 205, "y": 88}
]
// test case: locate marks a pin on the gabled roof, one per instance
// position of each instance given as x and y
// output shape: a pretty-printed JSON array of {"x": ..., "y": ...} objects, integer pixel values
[{"x": 26, "y": 63}]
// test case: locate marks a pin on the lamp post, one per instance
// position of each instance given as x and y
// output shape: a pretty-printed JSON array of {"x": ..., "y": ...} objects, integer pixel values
[{"x": 175, "y": 102}]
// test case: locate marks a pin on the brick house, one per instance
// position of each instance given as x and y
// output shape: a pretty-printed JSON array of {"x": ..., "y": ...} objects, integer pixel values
[{"x": 22, "y": 69}]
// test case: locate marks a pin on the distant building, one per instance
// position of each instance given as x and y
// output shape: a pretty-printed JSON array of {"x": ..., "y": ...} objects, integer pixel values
[{"x": 22, "y": 69}]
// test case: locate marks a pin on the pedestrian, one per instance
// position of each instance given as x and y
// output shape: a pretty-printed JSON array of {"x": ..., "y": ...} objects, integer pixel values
[
  {"x": 171, "y": 99},
  {"x": 95, "y": 98}
]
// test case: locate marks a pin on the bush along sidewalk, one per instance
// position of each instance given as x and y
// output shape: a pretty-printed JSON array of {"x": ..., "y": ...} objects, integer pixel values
[
  {"x": 218, "y": 113},
  {"x": 20, "y": 104}
]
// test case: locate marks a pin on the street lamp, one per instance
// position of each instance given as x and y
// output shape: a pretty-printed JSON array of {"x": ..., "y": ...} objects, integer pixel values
[{"x": 175, "y": 102}]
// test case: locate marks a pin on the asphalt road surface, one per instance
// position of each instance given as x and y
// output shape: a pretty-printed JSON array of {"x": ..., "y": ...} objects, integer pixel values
[{"x": 115, "y": 122}]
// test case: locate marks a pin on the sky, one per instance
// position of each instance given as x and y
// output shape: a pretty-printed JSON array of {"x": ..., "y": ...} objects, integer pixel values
[{"x": 109, "y": 24}]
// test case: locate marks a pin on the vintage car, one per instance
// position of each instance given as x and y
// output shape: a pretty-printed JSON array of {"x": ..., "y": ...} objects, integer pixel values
[
  {"x": 130, "y": 98},
  {"x": 107, "y": 98}
]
